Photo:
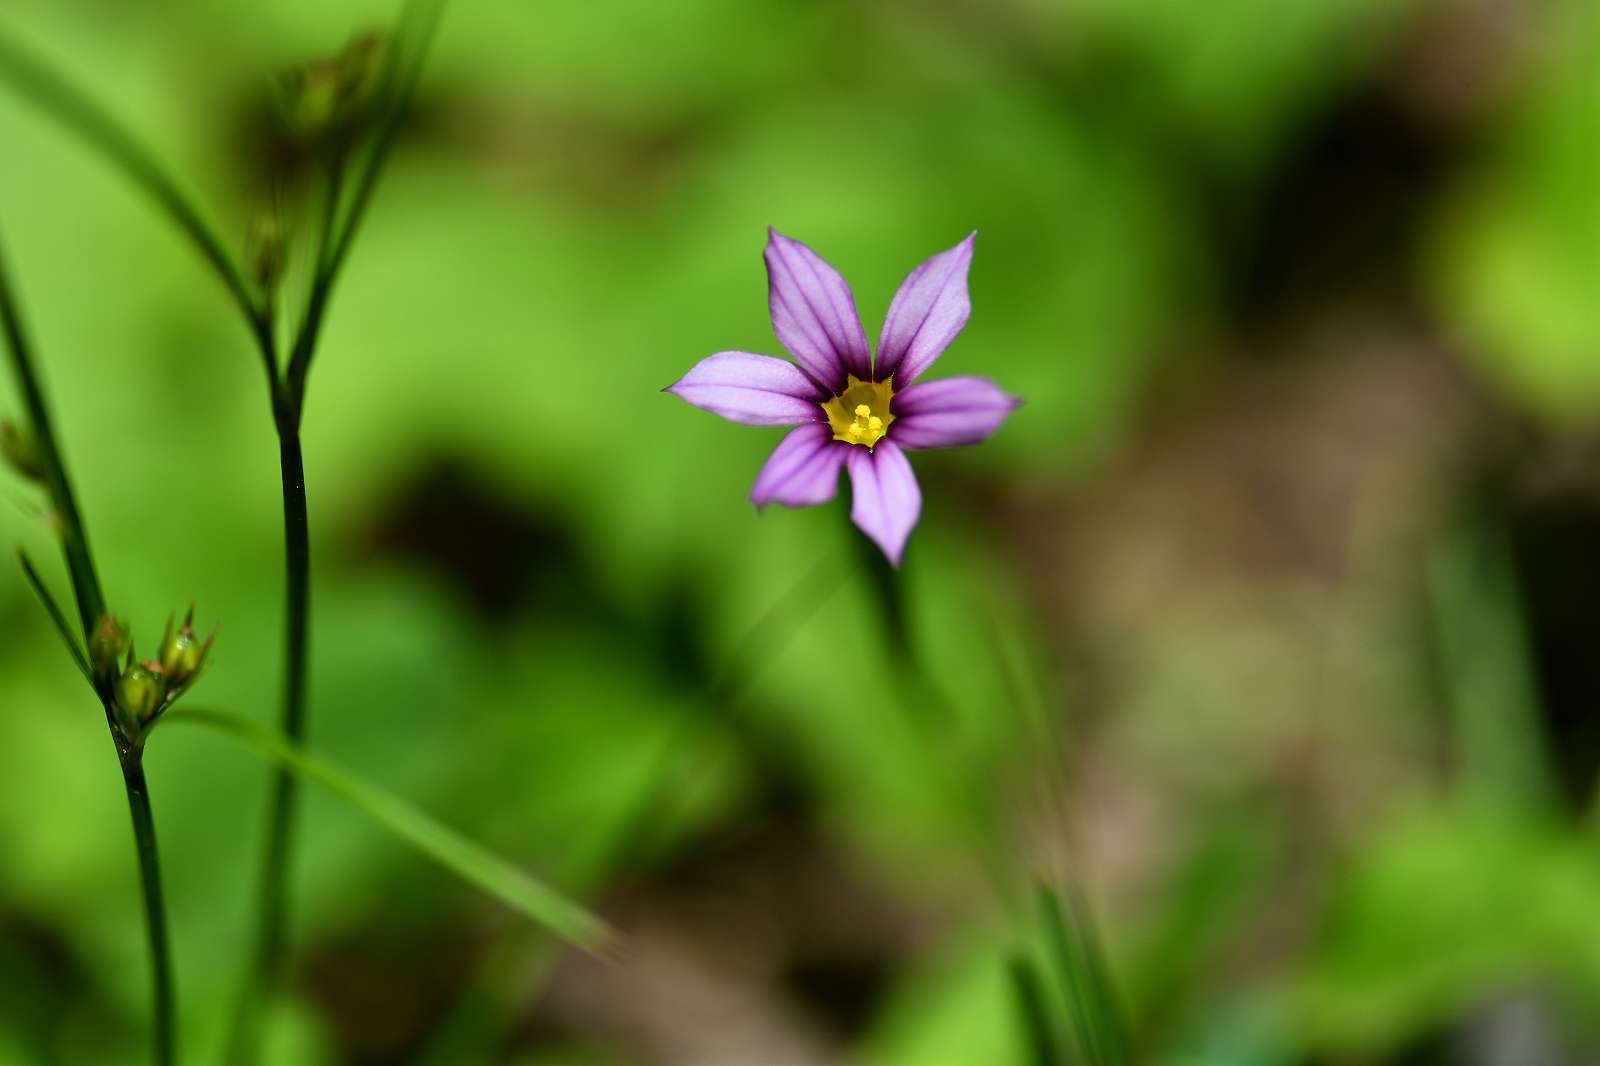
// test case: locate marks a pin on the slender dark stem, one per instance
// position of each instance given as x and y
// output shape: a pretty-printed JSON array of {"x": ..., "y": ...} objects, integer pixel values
[
  {"x": 288, "y": 404},
  {"x": 53, "y": 94},
  {"x": 297, "y": 552},
  {"x": 144, "y": 837},
  {"x": 272, "y": 919},
  {"x": 91, "y": 607},
  {"x": 85, "y": 582}
]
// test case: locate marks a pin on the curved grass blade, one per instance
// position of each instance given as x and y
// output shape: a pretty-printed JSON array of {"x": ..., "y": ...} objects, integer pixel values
[
  {"x": 468, "y": 860},
  {"x": 54, "y": 610},
  {"x": 35, "y": 82}
]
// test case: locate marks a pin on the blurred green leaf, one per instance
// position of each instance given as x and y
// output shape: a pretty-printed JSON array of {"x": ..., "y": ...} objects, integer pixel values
[
  {"x": 1517, "y": 246},
  {"x": 1487, "y": 667},
  {"x": 1441, "y": 912}
]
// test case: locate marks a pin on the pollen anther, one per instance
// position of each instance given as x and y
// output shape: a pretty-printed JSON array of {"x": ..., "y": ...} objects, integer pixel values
[{"x": 860, "y": 413}]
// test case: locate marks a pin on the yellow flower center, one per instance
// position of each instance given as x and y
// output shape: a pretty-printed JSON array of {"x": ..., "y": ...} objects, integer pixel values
[{"x": 860, "y": 414}]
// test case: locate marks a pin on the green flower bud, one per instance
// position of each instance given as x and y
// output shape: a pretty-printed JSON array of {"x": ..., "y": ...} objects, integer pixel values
[
  {"x": 182, "y": 654},
  {"x": 326, "y": 101},
  {"x": 141, "y": 693},
  {"x": 21, "y": 451},
  {"x": 310, "y": 95},
  {"x": 360, "y": 67},
  {"x": 268, "y": 250},
  {"x": 107, "y": 645}
]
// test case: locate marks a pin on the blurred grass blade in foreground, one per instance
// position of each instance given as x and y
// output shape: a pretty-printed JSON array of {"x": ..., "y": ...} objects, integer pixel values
[
  {"x": 1028, "y": 988},
  {"x": 1086, "y": 983},
  {"x": 468, "y": 860}
]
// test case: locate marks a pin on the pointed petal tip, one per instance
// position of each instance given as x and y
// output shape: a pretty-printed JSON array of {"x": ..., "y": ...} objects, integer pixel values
[
  {"x": 756, "y": 390},
  {"x": 964, "y": 245},
  {"x": 814, "y": 313},
  {"x": 950, "y": 412},
  {"x": 894, "y": 553},
  {"x": 929, "y": 309},
  {"x": 886, "y": 500}
]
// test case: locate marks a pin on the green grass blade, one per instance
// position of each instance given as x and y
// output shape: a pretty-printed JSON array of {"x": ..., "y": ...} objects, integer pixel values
[
  {"x": 52, "y": 94},
  {"x": 468, "y": 860},
  {"x": 67, "y": 519},
  {"x": 1028, "y": 989},
  {"x": 54, "y": 610},
  {"x": 1087, "y": 981},
  {"x": 1487, "y": 668}
]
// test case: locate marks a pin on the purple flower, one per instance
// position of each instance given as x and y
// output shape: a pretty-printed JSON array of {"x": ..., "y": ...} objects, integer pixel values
[{"x": 852, "y": 411}]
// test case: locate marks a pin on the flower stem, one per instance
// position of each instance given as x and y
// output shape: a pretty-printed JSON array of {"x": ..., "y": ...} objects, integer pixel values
[
  {"x": 155, "y": 915},
  {"x": 288, "y": 404},
  {"x": 272, "y": 918},
  {"x": 297, "y": 587}
]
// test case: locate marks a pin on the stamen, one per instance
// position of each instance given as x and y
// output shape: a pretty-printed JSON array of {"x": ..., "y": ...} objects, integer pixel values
[{"x": 850, "y": 413}]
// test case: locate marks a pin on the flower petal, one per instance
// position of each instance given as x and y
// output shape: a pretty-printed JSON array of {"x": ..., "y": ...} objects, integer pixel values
[
  {"x": 756, "y": 390},
  {"x": 802, "y": 470},
  {"x": 925, "y": 316},
  {"x": 949, "y": 412},
  {"x": 885, "y": 499},
  {"x": 814, "y": 314}
]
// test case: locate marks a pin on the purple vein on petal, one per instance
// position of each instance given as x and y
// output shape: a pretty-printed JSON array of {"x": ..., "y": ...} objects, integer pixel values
[
  {"x": 823, "y": 377},
  {"x": 885, "y": 498},
  {"x": 756, "y": 390},
  {"x": 950, "y": 412},
  {"x": 929, "y": 309},
  {"x": 818, "y": 324},
  {"x": 802, "y": 470}
]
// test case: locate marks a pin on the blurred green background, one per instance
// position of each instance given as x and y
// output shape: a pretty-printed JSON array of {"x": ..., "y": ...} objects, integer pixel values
[{"x": 1269, "y": 621}]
